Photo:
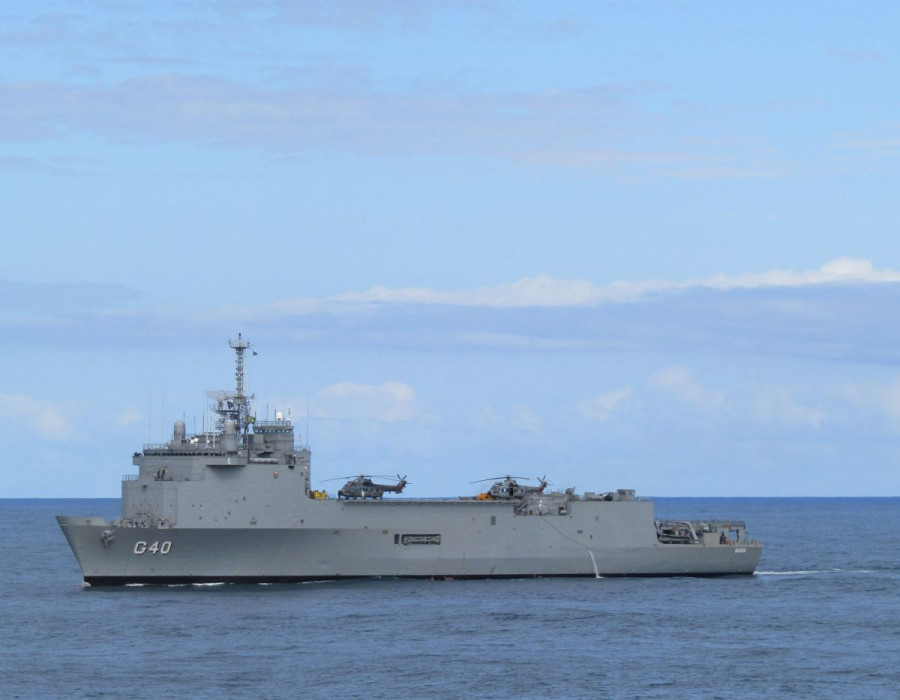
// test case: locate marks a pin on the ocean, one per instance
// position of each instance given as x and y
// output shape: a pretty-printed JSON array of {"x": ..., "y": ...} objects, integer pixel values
[{"x": 820, "y": 619}]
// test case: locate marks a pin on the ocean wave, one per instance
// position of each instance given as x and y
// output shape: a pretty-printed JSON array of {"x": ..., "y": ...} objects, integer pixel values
[{"x": 813, "y": 572}]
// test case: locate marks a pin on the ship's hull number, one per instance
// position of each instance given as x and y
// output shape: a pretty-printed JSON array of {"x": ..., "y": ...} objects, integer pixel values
[{"x": 142, "y": 547}]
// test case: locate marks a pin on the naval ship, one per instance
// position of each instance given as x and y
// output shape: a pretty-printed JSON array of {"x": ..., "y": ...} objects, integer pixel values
[{"x": 235, "y": 504}]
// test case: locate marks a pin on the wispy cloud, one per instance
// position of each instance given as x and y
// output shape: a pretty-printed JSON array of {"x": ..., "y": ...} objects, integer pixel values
[
  {"x": 681, "y": 383},
  {"x": 547, "y": 291},
  {"x": 390, "y": 402},
  {"x": 681, "y": 393},
  {"x": 881, "y": 397},
  {"x": 606, "y": 128},
  {"x": 847, "y": 308},
  {"x": 778, "y": 406},
  {"x": 42, "y": 419},
  {"x": 128, "y": 416},
  {"x": 539, "y": 291},
  {"x": 212, "y": 111},
  {"x": 61, "y": 296},
  {"x": 603, "y": 406},
  {"x": 857, "y": 55},
  {"x": 885, "y": 144},
  {"x": 359, "y": 15},
  {"x": 520, "y": 419},
  {"x": 622, "y": 129}
]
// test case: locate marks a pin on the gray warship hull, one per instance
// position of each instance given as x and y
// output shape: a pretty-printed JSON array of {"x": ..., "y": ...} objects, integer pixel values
[
  {"x": 236, "y": 505},
  {"x": 408, "y": 538}
]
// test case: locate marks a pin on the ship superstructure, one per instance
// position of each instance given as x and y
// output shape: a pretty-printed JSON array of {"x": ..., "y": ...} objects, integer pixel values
[{"x": 236, "y": 504}]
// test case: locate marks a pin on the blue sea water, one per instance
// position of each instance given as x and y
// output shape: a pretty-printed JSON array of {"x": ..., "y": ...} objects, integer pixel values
[{"x": 820, "y": 619}]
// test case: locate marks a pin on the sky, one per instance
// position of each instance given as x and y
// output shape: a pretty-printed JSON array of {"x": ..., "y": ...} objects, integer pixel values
[{"x": 626, "y": 245}]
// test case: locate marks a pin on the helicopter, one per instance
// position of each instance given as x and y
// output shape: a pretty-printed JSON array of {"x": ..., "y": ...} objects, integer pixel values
[
  {"x": 363, "y": 487},
  {"x": 507, "y": 487}
]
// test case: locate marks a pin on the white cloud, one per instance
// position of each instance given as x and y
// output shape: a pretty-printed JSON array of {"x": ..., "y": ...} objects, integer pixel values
[
  {"x": 772, "y": 405},
  {"x": 681, "y": 383},
  {"x": 844, "y": 309},
  {"x": 42, "y": 418},
  {"x": 603, "y": 406},
  {"x": 544, "y": 291},
  {"x": 777, "y": 406},
  {"x": 889, "y": 400},
  {"x": 882, "y": 398},
  {"x": 540, "y": 290},
  {"x": 390, "y": 402},
  {"x": 521, "y": 419},
  {"x": 839, "y": 270},
  {"x": 525, "y": 420},
  {"x": 128, "y": 416}
]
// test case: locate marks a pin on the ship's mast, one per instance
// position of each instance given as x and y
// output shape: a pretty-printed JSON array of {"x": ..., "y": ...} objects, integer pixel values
[
  {"x": 239, "y": 348},
  {"x": 234, "y": 405}
]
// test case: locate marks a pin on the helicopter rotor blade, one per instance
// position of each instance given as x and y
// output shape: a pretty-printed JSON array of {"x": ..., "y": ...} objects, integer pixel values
[{"x": 499, "y": 478}]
